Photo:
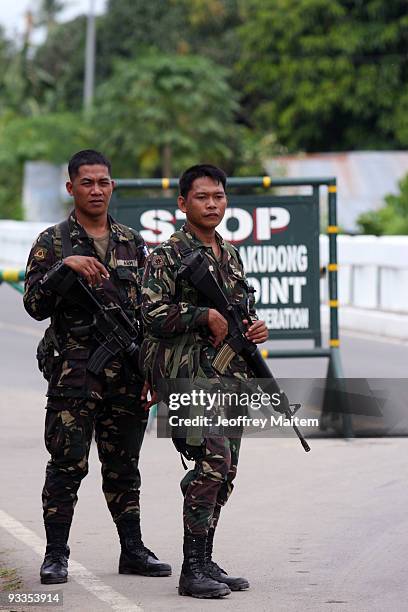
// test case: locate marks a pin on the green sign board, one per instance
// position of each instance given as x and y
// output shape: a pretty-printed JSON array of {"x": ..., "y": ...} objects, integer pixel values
[{"x": 278, "y": 240}]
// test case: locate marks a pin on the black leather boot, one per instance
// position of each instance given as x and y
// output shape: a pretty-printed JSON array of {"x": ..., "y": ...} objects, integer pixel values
[
  {"x": 54, "y": 569},
  {"x": 135, "y": 558},
  {"x": 214, "y": 571},
  {"x": 194, "y": 581}
]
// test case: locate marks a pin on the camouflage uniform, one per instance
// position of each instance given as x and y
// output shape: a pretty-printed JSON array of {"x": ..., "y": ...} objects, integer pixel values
[
  {"x": 79, "y": 402},
  {"x": 177, "y": 345}
]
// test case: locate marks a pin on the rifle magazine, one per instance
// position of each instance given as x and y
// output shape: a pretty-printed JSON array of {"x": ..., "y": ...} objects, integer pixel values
[{"x": 223, "y": 358}]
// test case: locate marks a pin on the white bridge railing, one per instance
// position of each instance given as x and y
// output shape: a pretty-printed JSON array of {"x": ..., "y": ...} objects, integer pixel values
[
  {"x": 16, "y": 239},
  {"x": 373, "y": 275},
  {"x": 373, "y": 272}
]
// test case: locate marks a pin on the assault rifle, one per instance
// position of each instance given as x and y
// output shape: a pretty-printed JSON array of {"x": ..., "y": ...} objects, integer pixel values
[
  {"x": 111, "y": 327},
  {"x": 195, "y": 269}
]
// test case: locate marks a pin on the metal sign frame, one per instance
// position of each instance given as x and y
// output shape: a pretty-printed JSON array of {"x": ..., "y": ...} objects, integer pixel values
[
  {"x": 266, "y": 182},
  {"x": 332, "y": 352}
]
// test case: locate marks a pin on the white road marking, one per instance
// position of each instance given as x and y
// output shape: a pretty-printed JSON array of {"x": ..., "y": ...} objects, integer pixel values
[{"x": 81, "y": 575}]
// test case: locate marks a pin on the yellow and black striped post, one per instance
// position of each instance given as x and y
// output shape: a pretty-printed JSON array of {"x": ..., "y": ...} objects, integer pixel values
[
  {"x": 335, "y": 370},
  {"x": 332, "y": 231}
]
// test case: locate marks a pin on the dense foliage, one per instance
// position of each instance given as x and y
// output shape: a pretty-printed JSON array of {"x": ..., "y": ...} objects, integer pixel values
[
  {"x": 158, "y": 112},
  {"x": 329, "y": 75},
  {"x": 232, "y": 81},
  {"x": 392, "y": 218}
]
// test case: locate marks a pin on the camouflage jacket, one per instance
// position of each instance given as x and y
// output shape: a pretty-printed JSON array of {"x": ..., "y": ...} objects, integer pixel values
[
  {"x": 175, "y": 315},
  {"x": 125, "y": 258}
]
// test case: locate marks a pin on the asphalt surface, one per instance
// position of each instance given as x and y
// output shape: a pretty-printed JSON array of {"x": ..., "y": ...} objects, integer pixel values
[{"x": 322, "y": 531}]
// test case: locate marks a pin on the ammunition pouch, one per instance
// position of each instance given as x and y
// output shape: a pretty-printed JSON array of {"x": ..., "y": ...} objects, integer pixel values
[
  {"x": 47, "y": 353},
  {"x": 190, "y": 452}
]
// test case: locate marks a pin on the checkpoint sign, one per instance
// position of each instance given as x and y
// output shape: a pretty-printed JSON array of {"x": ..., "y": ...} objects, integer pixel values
[{"x": 278, "y": 240}]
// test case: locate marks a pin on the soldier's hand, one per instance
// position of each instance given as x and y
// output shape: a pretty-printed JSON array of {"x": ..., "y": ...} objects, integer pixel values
[
  {"x": 218, "y": 326},
  {"x": 257, "y": 332},
  {"x": 143, "y": 396},
  {"x": 88, "y": 267}
]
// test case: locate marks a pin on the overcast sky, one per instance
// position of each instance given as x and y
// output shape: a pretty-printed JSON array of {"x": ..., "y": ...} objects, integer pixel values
[{"x": 12, "y": 12}]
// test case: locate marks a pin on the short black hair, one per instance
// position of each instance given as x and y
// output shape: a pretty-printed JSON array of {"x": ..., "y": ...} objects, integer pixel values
[
  {"x": 200, "y": 170},
  {"x": 88, "y": 157}
]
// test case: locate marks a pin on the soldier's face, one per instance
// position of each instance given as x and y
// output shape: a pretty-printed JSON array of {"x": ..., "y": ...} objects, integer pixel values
[
  {"x": 205, "y": 203},
  {"x": 91, "y": 189}
]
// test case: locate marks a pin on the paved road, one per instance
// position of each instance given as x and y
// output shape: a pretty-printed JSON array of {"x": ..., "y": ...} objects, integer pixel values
[{"x": 325, "y": 531}]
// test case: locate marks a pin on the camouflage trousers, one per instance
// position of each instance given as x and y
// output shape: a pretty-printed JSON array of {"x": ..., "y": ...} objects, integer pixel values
[
  {"x": 69, "y": 426},
  {"x": 208, "y": 486}
]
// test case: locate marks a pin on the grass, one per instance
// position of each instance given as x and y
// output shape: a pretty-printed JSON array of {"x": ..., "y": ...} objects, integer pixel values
[{"x": 10, "y": 579}]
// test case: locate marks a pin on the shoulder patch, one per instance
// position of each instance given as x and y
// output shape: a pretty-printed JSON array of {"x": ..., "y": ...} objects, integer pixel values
[
  {"x": 157, "y": 262},
  {"x": 40, "y": 253}
]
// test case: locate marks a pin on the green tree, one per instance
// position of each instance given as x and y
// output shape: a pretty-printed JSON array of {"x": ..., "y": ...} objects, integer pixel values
[
  {"x": 212, "y": 30},
  {"x": 327, "y": 74},
  {"x": 159, "y": 113},
  {"x": 130, "y": 26},
  {"x": 6, "y": 54},
  {"x": 48, "y": 13},
  {"x": 204, "y": 27},
  {"x": 16, "y": 96},
  {"x": 129, "y": 29},
  {"x": 58, "y": 67},
  {"x": 392, "y": 218},
  {"x": 52, "y": 137}
]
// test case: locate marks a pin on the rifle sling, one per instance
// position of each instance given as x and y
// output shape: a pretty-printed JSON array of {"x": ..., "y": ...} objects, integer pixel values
[{"x": 63, "y": 230}]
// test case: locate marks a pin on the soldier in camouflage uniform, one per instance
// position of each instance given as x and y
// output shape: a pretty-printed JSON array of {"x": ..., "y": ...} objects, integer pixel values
[
  {"x": 109, "y": 256},
  {"x": 182, "y": 336}
]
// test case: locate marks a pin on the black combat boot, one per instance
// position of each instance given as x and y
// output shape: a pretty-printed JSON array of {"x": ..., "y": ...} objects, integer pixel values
[
  {"x": 54, "y": 569},
  {"x": 193, "y": 579},
  {"x": 214, "y": 571},
  {"x": 135, "y": 558}
]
